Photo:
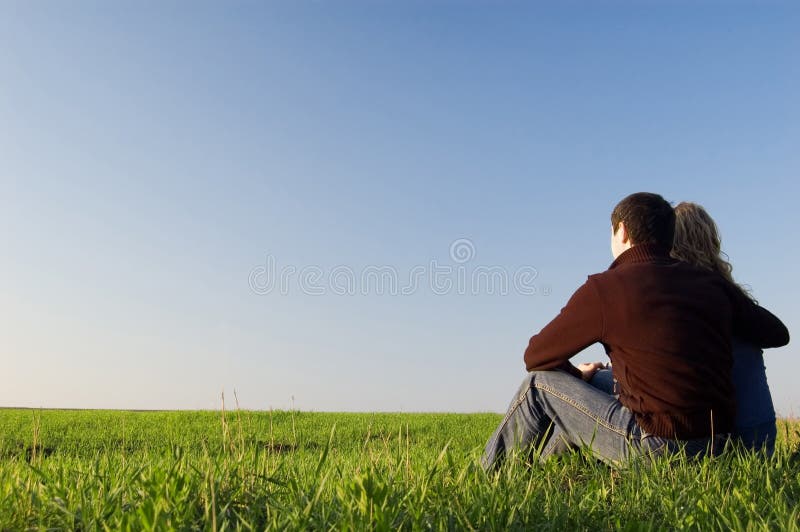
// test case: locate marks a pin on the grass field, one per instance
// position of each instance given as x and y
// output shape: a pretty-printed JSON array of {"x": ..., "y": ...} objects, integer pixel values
[{"x": 295, "y": 470}]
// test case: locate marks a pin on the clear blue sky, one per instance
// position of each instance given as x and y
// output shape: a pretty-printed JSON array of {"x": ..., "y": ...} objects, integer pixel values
[{"x": 153, "y": 155}]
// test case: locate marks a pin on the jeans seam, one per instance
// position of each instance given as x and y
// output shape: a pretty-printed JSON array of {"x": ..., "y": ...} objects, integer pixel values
[
  {"x": 581, "y": 409},
  {"x": 510, "y": 413},
  {"x": 552, "y": 442}
]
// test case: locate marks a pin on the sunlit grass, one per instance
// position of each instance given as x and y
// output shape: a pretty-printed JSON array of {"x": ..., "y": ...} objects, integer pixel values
[{"x": 297, "y": 470}]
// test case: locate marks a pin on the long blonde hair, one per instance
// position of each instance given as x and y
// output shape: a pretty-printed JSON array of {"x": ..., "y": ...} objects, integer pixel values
[{"x": 697, "y": 242}]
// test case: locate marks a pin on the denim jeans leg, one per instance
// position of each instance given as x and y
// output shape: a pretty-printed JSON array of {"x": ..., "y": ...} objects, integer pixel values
[
  {"x": 557, "y": 444},
  {"x": 578, "y": 414},
  {"x": 759, "y": 437},
  {"x": 523, "y": 426},
  {"x": 755, "y": 414},
  {"x": 603, "y": 380}
]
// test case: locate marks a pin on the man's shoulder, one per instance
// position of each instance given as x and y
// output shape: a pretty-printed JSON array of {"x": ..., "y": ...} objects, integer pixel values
[{"x": 664, "y": 271}]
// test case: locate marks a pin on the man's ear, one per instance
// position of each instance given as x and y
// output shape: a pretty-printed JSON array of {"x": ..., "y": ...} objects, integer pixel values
[{"x": 624, "y": 238}]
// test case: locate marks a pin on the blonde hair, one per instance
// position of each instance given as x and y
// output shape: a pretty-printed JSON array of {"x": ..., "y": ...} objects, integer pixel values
[{"x": 697, "y": 242}]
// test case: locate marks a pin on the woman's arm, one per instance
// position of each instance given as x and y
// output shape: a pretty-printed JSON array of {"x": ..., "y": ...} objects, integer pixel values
[{"x": 756, "y": 324}]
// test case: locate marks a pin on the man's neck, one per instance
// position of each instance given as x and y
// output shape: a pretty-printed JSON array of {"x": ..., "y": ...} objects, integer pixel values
[{"x": 641, "y": 253}]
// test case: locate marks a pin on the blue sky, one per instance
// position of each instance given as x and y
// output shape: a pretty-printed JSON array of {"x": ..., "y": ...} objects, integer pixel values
[{"x": 153, "y": 157}]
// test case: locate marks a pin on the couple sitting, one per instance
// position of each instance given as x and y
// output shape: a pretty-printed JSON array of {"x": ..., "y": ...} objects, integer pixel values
[{"x": 684, "y": 341}]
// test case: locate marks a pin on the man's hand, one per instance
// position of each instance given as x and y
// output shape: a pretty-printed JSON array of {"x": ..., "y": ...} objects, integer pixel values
[{"x": 588, "y": 369}]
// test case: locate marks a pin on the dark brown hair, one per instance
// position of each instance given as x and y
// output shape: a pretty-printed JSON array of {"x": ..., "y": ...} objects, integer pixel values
[{"x": 649, "y": 219}]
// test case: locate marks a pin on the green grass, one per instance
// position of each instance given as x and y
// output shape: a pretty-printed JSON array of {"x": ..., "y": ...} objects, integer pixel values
[{"x": 92, "y": 470}]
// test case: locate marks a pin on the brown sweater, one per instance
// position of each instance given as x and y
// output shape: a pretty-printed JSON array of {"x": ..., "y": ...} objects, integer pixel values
[{"x": 667, "y": 328}]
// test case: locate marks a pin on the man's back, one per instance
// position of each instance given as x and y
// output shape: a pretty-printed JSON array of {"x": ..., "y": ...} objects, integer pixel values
[{"x": 667, "y": 328}]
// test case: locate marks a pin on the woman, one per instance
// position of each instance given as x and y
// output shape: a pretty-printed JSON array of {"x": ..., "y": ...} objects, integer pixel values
[{"x": 697, "y": 242}]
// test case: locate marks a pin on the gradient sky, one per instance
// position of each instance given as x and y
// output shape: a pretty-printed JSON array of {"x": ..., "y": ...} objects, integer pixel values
[{"x": 152, "y": 155}]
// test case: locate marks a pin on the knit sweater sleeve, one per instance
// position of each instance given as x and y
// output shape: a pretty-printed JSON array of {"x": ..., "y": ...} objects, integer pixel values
[
  {"x": 756, "y": 324},
  {"x": 577, "y": 326}
]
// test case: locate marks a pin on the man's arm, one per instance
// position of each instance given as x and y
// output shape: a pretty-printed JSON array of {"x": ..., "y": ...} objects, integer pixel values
[{"x": 578, "y": 325}]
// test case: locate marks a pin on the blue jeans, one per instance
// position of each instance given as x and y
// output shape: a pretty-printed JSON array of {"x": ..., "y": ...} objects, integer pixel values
[
  {"x": 755, "y": 415},
  {"x": 554, "y": 411},
  {"x": 604, "y": 381}
]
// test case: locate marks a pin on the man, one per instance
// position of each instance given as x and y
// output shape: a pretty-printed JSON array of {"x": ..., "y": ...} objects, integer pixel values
[{"x": 665, "y": 325}]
